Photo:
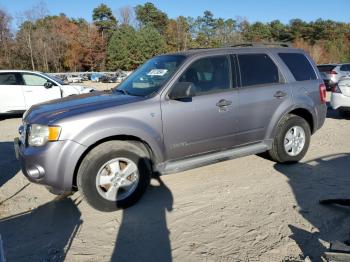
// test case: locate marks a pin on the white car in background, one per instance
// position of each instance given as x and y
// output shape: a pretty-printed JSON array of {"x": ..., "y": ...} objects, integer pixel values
[
  {"x": 74, "y": 79},
  {"x": 340, "y": 99},
  {"x": 20, "y": 89}
]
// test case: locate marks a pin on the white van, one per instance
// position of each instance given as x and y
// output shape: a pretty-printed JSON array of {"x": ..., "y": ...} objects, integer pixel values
[{"x": 20, "y": 89}]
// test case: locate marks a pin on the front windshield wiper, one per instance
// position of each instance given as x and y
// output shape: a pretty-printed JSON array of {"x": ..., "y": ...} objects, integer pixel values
[{"x": 122, "y": 91}]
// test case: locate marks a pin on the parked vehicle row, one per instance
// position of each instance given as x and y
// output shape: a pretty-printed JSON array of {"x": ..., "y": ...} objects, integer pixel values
[
  {"x": 337, "y": 80},
  {"x": 105, "y": 77},
  {"x": 332, "y": 73},
  {"x": 20, "y": 89},
  {"x": 74, "y": 79},
  {"x": 177, "y": 111}
]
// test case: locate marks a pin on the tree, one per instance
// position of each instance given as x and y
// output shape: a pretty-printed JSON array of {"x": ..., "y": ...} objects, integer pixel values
[
  {"x": 60, "y": 43},
  {"x": 123, "y": 50},
  {"x": 205, "y": 29},
  {"x": 258, "y": 32},
  {"x": 149, "y": 15},
  {"x": 93, "y": 48},
  {"x": 128, "y": 48},
  {"x": 151, "y": 43},
  {"x": 28, "y": 43},
  {"x": 126, "y": 14},
  {"x": 298, "y": 29},
  {"x": 103, "y": 18},
  {"x": 225, "y": 32},
  {"x": 279, "y": 32},
  {"x": 6, "y": 40},
  {"x": 177, "y": 34}
]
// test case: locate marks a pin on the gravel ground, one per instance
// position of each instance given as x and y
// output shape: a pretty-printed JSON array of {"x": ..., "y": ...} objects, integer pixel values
[
  {"x": 247, "y": 209},
  {"x": 98, "y": 85}
]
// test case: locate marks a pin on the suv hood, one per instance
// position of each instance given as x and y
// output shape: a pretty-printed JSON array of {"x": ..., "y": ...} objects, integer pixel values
[{"x": 48, "y": 112}]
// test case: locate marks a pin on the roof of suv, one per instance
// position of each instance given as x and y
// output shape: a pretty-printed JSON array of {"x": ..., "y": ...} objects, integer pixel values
[{"x": 191, "y": 52}]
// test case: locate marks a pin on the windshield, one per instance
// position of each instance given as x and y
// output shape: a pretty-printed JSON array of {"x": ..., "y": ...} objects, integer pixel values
[
  {"x": 151, "y": 76},
  {"x": 55, "y": 79}
]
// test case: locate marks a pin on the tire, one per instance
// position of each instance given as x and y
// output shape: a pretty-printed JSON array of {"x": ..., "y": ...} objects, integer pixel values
[
  {"x": 278, "y": 152},
  {"x": 101, "y": 162}
]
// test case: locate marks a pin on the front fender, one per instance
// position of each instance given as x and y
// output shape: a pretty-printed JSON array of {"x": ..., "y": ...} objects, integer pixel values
[
  {"x": 91, "y": 132},
  {"x": 130, "y": 128}
]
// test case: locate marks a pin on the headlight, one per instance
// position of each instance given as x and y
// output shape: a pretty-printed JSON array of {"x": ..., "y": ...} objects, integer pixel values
[{"x": 39, "y": 135}]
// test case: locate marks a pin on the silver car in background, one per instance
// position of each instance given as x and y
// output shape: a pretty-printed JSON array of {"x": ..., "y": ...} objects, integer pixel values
[{"x": 332, "y": 73}]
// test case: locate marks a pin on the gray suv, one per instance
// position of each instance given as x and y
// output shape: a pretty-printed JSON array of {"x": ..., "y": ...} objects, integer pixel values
[{"x": 177, "y": 111}]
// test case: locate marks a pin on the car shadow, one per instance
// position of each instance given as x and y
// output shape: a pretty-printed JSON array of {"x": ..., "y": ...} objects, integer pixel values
[
  {"x": 10, "y": 116},
  {"x": 335, "y": 114},
  {"x": 143, "y": 234},
  {"x": 322, "y": 178},
  {"x": 9, "y": 165},
  {"x": 331, "y": 113},
  {"x": 43, "y": 234}
]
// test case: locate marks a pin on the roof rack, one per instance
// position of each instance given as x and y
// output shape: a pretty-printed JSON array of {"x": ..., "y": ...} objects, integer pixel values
[
  {"x": 249, "y": 44},
  {"x": 260, "y": 44},
  {"x": 198, "y": 48}
]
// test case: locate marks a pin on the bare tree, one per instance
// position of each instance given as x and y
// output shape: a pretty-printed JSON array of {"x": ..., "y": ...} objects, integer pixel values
[
  {"x": 126, "y": 15},
  {"x": 5, "y": 39},
  {"x": 27, "y": 20}
]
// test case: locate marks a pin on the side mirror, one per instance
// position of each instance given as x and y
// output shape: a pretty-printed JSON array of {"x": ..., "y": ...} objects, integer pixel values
[
  {"x": 48, "y": 84},
  {"x": 182, "y": 90}
]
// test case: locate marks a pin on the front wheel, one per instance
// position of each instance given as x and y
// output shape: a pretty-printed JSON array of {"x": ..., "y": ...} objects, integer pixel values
[
  {"x": 291, "y": 141},
  {"x": 113, "y": 175}
]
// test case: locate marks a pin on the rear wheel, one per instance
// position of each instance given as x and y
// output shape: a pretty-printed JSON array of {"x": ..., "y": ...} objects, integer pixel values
[
  {"x": 291, "y": 141},
  {"x": 114, "y": 175}
]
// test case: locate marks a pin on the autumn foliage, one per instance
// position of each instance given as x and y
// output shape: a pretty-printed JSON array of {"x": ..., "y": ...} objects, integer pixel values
[{"x": 59, "y": 43}]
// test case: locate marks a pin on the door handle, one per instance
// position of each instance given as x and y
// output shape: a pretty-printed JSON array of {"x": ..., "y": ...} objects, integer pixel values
[
  {"x": 280, "y": 94},
  {"x": 223, "y": 102}
]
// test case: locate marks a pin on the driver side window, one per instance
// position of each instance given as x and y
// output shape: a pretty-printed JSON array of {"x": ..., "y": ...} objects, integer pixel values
[
  {"x": 208, "y": 75},
  {"x": 34, "y": 80}
]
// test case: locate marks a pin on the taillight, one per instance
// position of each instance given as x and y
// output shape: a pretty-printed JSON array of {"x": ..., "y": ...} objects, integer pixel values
[
  {"x": 336, "y": 89},
  {"x": 333, "y": 73},
  {"x": 323, "y": 93}
]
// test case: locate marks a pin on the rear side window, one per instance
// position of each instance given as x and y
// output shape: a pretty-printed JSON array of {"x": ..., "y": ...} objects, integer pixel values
[
  {"x": 9, "y": 79},
  {"x": 299, "y": 65},
  {"x": 257, "y": 69}
]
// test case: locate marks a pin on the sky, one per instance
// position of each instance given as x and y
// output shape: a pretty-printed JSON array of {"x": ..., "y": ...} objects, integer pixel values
[{"x": 253, "y": 10}]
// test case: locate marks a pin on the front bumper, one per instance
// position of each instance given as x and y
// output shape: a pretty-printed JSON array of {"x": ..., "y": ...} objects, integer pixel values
[
  {"x": 51, "y": 165},
  {"x": 340, "y": 101}
]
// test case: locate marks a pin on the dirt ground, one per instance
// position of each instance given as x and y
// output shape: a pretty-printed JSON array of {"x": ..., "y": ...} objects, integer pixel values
[
  {"x": 247, "y": 209},
  {"x": 98, "y": 85}
]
